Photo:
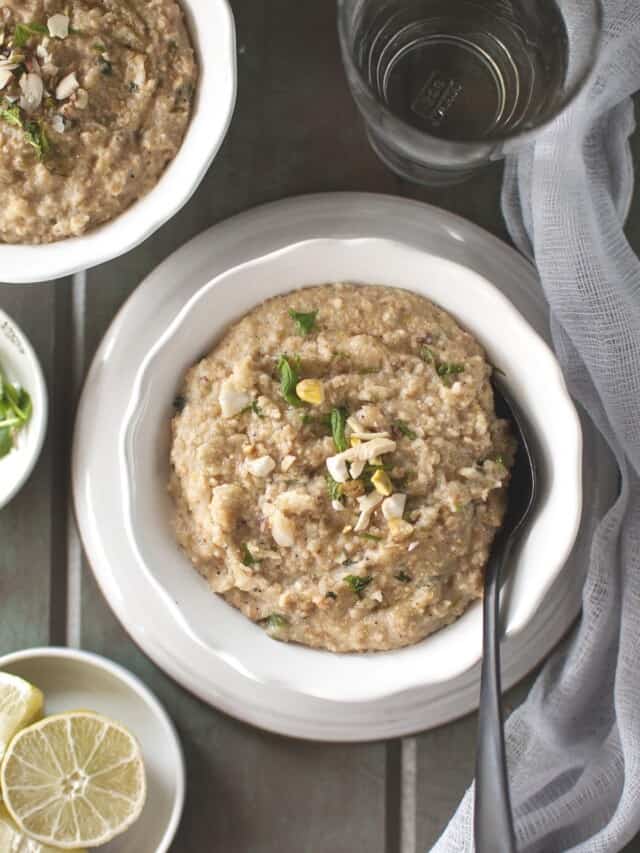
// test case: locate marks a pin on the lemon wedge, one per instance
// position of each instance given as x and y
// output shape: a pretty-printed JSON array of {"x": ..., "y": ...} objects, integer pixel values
[
  {"x": 14, "y": 841},
  {"x": 20, "y": 705},
  {"x": 73, "y": 780}
]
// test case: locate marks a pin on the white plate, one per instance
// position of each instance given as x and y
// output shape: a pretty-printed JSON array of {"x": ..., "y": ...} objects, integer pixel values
[
  {"x": 532, "y": 373},
  {"x": 73, "y": 680},
  {"x": 22, "y": 367},
  {"x": 99, "y": 488},
  {"x": 213, "y": 31}
]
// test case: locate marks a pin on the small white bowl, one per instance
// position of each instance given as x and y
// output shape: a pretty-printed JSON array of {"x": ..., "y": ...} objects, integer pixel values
[
  {"x": 21, "y": 366},
  {"x": 73, "y": 680},
  {"x": 533, "y": 376},
  {"x": 213, "y": 31}
]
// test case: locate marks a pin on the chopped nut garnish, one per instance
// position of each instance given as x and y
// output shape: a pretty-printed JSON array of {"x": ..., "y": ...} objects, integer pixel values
[
  {"x": 353, "y": 488},
  {"x": 394, "y": 506},
  {"x": 382, "y": 483},
  {"x": 67, "y": 86},
  {"x": 311, "y": 391},
  {"x": 287, "y": 462},
  {"x": 261, "y": 467},
  {"x": 58, "y": 26},
  {"x": 367, "y": 505}
]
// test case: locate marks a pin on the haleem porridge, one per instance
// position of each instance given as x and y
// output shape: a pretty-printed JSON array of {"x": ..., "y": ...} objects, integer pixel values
[
  {"x": 95, "y": 100},
  {"x": 338, "y": 469}
]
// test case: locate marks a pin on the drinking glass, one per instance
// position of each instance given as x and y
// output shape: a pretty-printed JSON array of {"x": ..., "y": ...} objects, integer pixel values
[{"x": 446, "y": 86}]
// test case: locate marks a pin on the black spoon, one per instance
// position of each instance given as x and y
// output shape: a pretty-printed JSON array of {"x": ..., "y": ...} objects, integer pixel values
[{"x": 493, "y": 819}]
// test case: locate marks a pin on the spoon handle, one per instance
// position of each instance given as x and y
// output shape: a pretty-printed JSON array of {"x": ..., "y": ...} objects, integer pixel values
[{"x": 493, "y": 821}]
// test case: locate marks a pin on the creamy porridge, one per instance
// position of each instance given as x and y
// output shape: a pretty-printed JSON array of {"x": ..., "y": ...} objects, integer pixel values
[
  {"x": 338, "y": 468},
  {"x": 95, "y": 99}
]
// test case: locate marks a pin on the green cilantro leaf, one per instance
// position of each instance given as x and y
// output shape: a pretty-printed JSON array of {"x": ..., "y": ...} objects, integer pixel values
[
  {"x": 275, "y": 622},
  {"x": 403, "y": 577},
  {"x": 288, "y": 368},
  {"x": 358, "y": 584},
  {"x": 247, "y": 557},
  {"x": 338, "y": 426},
  {"x": 253, "y": 407},
  {"x": 305, "y": 321},
  {"x": 403, "y": 427},
  {"x": 23, "y": 33},
  {"x": 35, "y": 135},
  {"x": 334, "y": 489},
  {"x": 12, "y": 115}
]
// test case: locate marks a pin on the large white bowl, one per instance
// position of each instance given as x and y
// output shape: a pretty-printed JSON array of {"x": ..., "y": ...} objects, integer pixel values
[
  {"x": 213, "y": 31},
  {"x": 533, "y": 375}
]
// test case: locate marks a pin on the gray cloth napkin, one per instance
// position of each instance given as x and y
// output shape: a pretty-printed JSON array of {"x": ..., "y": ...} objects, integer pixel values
[{"x": 574, "y": 746}]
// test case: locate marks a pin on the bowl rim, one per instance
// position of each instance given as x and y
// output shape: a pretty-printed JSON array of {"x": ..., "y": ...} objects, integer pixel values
[
  {"x": 374, "y": 690},
  {"x": 42, "y": 421},
  {"x": 36, "y": 263},
  {"x": 136, "y": 686}
]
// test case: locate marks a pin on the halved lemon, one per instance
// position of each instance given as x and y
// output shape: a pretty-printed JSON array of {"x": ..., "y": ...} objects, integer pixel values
[
  {"x": 20, "y": 705},
  {"x": 73, "y": 780},
  {"x": 14, "y": 841}
]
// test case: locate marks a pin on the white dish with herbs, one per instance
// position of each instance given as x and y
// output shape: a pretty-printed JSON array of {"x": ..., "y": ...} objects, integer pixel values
[
  {"x": 531, "y": 372},
  {"x": 23, "y": 408}
]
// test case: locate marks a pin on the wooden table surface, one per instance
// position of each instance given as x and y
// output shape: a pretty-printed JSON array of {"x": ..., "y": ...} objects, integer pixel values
[{"x": 295, "y": 131}]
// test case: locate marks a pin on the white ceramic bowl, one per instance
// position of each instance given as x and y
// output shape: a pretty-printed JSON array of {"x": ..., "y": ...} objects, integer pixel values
[
  {"x": 213, "y": 31},
  {"x": 22, "y": 367},
  {"x": 533, "y": 376},
  {"x": 73, "y": 679}
]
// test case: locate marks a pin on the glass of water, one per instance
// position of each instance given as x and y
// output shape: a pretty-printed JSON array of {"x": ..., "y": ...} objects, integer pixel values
[{"x": 446, "y": 86}]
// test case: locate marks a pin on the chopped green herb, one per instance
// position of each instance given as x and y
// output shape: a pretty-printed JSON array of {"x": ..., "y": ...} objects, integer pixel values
[
  {"x": 305, "y": 321},
  {"x": 16, "y": 409},
  {"x": 253, "y": 407},
  {"x": 426, "y": 354},
  {"x": 449, "y": 369},
  {"x": 275, "y": 622},
  {"x": 334, "y": 489},
  {"x": 179, "y": 403},
  {"x": 99, "y": 47},
  {"x": 23, "y": 33},
  {"x": 247, "y": 557},
  {"x": 338, "y": 425},
  {"x": 331, "y": 595},
  {"x": 499, "y": 459},
  {"x": 498, "y": 371},
  {"x": 12, "y": 115},
  {"x": 35, "y": 135},
  {"x": 405, "y": 430},
  {"x": 370, "y": 537},
  {"x": 358, "y": 584},
  {"x": 288, "y": 367},
  {"x": 403, "y": 577},
  {"x": 367, "y": 371}
]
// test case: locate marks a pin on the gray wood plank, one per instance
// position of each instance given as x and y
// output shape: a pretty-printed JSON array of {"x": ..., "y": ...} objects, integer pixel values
[
  {"x": 33, "y": 525},
  {"x": 445, "y": 765}
]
